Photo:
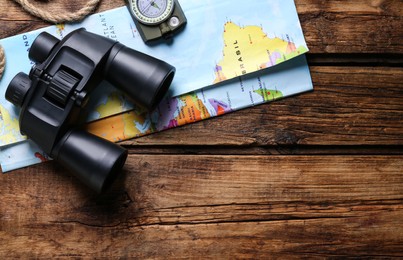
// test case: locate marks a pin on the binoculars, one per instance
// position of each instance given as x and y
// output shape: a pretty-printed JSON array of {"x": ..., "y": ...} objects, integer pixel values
[{"x": 58, "y": 87}]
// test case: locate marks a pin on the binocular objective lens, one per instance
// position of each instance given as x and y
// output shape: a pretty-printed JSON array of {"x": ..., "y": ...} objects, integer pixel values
[{"x": 95, "y": 161}]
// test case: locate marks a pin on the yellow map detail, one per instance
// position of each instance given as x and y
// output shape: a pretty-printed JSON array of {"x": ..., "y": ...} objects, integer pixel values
[
  {"x": 112, "y": 106},
  {"x": 192, "y": 110},
  {"x": 118, "y": 127},
  {"x": 9, "y": 132},
  {"x": 134, "y": 123},
  {"x": 247, "y": 49}
]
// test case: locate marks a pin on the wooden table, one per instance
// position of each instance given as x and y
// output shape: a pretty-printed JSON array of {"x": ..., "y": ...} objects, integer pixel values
[{"x": 318, "y": 175}]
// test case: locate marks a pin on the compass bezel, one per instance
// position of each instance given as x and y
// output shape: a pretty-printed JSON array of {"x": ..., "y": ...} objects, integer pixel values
[{"x": 152, "y": 20}]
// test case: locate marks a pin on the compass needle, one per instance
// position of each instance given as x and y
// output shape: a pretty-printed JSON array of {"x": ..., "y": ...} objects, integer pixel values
[{"x": 155, "y": 5}]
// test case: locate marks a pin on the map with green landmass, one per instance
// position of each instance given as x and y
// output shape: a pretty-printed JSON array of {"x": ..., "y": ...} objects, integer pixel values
[
  {"x": 9, "y": 128},
  {"x": 249, "y": 48},
  {"x": 231, "y": 55}
]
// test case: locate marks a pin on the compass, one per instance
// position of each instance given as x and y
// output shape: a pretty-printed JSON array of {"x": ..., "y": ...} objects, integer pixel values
[
  {"x": 156, "y": 18},
  {"x": 152, "y": 11}
]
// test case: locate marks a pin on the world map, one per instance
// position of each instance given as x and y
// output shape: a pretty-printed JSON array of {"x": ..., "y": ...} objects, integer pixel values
[{"x": 222, "y": 43}]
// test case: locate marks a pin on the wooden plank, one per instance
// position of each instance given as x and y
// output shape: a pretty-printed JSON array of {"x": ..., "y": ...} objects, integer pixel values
[
  {"x": 216, "y": 206},
  {"x": 268, "y": 149},
  {"x": 361, "y": 26},
  {"x": 349, "y": 106},
  {"x": 356, "y": 59},
  {"x": 330, "y": 26},
  {"x": 360, "y": 237}
]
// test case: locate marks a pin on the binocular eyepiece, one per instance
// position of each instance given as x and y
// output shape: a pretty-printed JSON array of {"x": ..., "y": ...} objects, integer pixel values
[{"x": 58, "y": 87}]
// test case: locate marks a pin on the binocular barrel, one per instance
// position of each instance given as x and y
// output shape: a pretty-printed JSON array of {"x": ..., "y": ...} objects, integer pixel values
[
  {"x": 93, "y": 160},
  {"x": 142, "y": 77}
]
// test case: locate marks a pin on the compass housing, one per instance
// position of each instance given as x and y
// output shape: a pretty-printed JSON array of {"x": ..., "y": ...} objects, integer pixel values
[
  {"x": 151, "y": 12},
  {"x": 156, "y": 19}
]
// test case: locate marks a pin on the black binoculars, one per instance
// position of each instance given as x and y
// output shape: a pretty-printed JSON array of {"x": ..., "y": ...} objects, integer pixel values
[{"x": 59, "y": 86}]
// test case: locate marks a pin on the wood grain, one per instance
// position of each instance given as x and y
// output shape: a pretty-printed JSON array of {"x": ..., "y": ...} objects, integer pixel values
[
  {"x": 318, "y": 175},
  {"x": 362, "y": 26},
  {"x": 245, "y": 206},
  {"x": 349, "y": 106}
]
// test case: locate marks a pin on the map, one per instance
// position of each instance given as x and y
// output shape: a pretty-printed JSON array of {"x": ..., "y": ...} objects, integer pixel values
[
  {"x": 221, "y": 42},
  {"x": 20, "y": 155},
  {"x": 241, "y": 93},
  {"x": 248, "y": 48},
  {"x": 208, "y": 102}
]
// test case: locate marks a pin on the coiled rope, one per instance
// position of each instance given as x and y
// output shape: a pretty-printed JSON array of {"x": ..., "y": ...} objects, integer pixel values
[
  {"x": 2, "y": 61},
  {"x": 51, "y": 17}
]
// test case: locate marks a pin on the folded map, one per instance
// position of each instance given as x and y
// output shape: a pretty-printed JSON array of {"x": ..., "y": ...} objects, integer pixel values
[{"x": 221, "y": 42}]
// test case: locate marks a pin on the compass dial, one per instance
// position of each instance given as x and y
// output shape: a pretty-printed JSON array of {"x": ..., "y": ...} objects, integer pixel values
[{"x": 152, "y": 11}]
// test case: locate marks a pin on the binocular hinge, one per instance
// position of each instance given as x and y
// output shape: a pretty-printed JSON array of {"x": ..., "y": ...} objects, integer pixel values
[{"x": 61, "y": 87}]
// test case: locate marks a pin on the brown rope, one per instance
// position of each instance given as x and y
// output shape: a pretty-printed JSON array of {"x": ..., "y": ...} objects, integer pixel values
[
  {"x": 51, "y": 17},
  {"x": 2, "y": 61},
  {"x": 59, "y": 18}
]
